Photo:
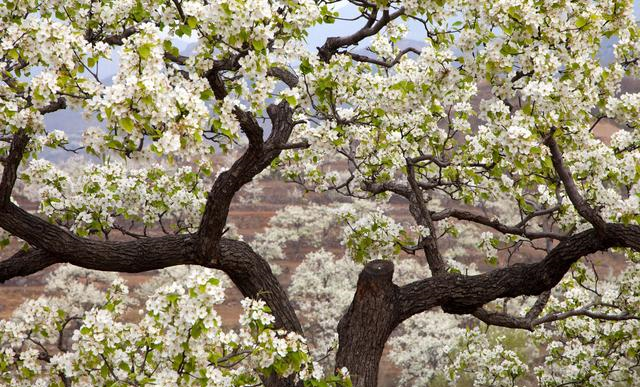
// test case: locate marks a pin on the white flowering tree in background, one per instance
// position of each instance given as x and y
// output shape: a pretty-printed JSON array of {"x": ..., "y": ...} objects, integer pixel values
[{"x": 496, "y": 102}]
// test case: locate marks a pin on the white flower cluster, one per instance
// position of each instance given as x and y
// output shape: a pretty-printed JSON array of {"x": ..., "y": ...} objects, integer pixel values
[
  {"x": 300, "y": 227},
  {"x": 590, "y": 351},
  {"x": 150, "y": 98},
  {"x": 625, "y": 109},
  {"x": 322, "y": 287},
  {"x": 491, "y": 363},
  {"x": 422, "y": 348},
  {"x": 373, "y": 235},
  {"x": 385, "y": 44},
  {"x": 576, "y": 350},
  {"x": 366, "y": 114},
  {"x": 179, "y": 341},
  {"x": 294, "y": 225},
  {"x": 532, "y": 84},
  {"x": 488, "y": 244},
  {"x": 96, "y": 195}
]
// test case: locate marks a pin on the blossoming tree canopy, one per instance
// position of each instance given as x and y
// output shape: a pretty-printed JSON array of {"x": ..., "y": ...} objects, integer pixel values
[{"x": 487, "y": 102}]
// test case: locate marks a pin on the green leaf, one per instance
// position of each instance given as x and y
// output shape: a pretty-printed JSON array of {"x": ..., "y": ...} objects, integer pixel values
[
  {"x": 192, "y": 22},
  {"x": 258, "y": 45},
  {"x": 104, "y": 371},
  {"x": 147, "y": 99},
  {"x": 197, "y": 329},
  {"x": 206, "y": 94},
  {"x": 139, "y": 12},
  {"x": 13, "y": 54},
  {"x": 124, "y": 366},
  {"x": 184, "y": 30},
  {"x": 291, "y": 100},
  {"x": 127, "y": 124},
  {"x": 508, "y": 50},
  {"x": 305, "y": 66},
  {"x": 581, "y": 22},
  {"x": 144, "y": 51}
]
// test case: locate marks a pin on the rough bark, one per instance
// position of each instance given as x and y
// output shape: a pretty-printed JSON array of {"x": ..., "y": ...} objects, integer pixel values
[
  {"x": 25, "y": 263},
  {"x": 256, "y": 158},
  {"x": 581, "y": 205},
  {"x": 372, "y": 26},
  {"x": 379, "y": 306},
  {"x": 462, "y": 294},
  {"x": 250, "y": 273},
  {"x": 365, "y": 328}
]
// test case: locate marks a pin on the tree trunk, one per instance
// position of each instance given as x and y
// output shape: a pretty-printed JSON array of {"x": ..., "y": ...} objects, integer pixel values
[{"x": 365, "y": 328}]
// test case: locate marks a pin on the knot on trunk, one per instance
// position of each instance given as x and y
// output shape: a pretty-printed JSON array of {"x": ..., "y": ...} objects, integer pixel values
[
  {"x": 380, "y": 269},
  {"x": 375, "y": 282}
]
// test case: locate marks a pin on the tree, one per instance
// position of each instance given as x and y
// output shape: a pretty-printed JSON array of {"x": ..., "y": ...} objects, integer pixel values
[{"x": 499, "y": 102}]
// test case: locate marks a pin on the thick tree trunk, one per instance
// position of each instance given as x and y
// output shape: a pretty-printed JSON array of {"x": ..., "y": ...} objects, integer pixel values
[
  {"x": 254, "y": 278},
  {"x": 365, "y": 328}
]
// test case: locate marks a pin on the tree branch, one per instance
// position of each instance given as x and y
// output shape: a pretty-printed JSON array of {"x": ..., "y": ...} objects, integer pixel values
[
  {"x": 11, "y": 164},
  {"x": 118, "y": 39},
  {"x": 519, "y": 229},
  {"x": 286, "y": 76},
  {"x": 581, "y": 205},
  {"x": 529, "y": 322},
  {"x": 255, "y": 159},
  {"x": 58, "y": 104},
  {"x": 505, "y": 320},
  {"x": 249, "y": 272},
  {"x": 422, "y": 216},
  {"x": 460, "y": 294},
  {"x": 18, "y": 146},
  {"x": 380, "y": 62},
  {"x": 332, "y": 44},
  {"x": 24, "y": 263},
  {"x": 586, "y": 313}
]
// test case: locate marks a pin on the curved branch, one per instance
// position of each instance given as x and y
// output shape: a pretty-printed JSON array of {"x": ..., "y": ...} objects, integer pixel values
[
  {"x": 286, "y": 76},
  {"x": 24, "y": 263},
  {"x": 529, "y": 323},
  {"x": 581, "y": 205},
  {"x": 18, "y": 146},
  {"x": 249, "y": 272},
  {"x": 11, "y": 164},
  {"x": 422, "y": 216},
  {"x": 118, "y": 39},
  {"x": 334, "y": 43},
  {"x": 462, "y": 294},
  {"x": 519, "y": 229},
  {"x": 586, "y": 313},
  {"x": 506, "y": 320},
  {"x": 383, "y": 63},
  {"x": 256, "y": 158}
]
